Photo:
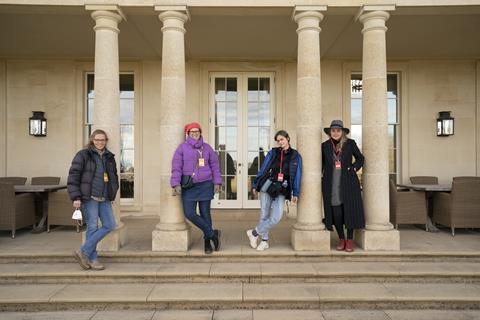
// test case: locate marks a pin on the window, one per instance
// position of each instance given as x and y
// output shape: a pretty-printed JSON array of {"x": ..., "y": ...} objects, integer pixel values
[
  {"x": 127, "y": 126},
  {"x": 393, "y": 118}
]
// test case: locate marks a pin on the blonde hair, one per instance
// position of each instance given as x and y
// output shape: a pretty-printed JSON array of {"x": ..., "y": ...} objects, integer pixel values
[{"x": 92, "y": 136}]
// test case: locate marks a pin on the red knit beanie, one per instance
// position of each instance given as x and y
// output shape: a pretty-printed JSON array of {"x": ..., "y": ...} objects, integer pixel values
[{"x": 193, "y": 125}]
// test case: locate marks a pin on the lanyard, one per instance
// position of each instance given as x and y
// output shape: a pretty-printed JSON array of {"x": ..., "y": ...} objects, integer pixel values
[
  {"x": 337, "y": 153},
  {"x": 281, "y": 160},
  {"x": 200, "y": 152}
]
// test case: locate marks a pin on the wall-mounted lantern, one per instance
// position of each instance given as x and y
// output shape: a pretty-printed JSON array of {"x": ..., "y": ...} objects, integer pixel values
[
  {"x": 38, "y": 124},
  {"x": 445, "y": 124}
]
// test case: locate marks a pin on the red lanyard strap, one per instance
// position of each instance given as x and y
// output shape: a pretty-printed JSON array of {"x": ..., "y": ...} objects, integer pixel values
[
  {"x": 337, "y": 153},
  {"x": 281, "y": 160}
]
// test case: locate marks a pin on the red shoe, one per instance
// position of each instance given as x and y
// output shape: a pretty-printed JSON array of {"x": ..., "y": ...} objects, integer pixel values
[
  {"x": 349, "y": 246},
  {"x": 341, "y": 245}
]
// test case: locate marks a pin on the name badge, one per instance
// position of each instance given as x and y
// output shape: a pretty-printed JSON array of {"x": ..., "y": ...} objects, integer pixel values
[
  {"x": 338, "y": 165},
  {"x": 280, "y": 177},
  {"x": 105, "y": 177},
  {"x": 201, "y": 162}
]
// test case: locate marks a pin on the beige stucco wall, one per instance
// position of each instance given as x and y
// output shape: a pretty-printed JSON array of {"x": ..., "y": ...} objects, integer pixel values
[
  {"x": 53, "y": 86},
  {"x": 437, "y": 86},
  {"x": 40, "y": 86}
]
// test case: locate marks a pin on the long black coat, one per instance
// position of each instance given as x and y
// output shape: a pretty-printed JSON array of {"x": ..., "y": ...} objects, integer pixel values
[
  {"x": 350, "y": 185},
  {"x": 82, "y": 172}
]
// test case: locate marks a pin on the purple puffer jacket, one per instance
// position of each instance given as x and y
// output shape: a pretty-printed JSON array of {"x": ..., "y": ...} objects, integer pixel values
[{"x": 186, "y": 158}]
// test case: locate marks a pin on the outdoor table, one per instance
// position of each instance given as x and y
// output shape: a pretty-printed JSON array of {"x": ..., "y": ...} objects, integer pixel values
[
  {"x": 41, "y": 194},
  {"x": 429, "y": 189}
]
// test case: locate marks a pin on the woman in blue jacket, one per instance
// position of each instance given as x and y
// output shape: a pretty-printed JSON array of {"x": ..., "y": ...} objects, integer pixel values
[{"x": 278, "y": 180}]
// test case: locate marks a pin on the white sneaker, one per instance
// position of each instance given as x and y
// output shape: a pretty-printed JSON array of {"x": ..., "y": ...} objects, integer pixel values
[
  {"x": 252, "y": 238},
  {"x": 263, "y": 246}
]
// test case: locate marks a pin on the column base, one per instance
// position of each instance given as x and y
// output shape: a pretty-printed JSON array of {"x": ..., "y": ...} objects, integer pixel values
[
  {"x": 310, "y": 240},
  {"x": 372, "y": 240},
  {"x": 171, "y": 240},
  {"x": 113, "y": 241}
]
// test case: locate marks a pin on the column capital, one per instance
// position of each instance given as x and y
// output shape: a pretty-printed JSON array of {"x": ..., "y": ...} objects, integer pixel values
[
  {"x": 308, "y": 17},
  {"x": 106, "y": 17},
  {"x": 173, "y": 17},
  {"x": 373, "y": 17},
  {"x": 374, "y": 20}
]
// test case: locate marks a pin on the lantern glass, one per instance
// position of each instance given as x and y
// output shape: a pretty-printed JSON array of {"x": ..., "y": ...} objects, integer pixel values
[
  {"x": 447, "y": 126},
  {"x": 38, "y": 124}
]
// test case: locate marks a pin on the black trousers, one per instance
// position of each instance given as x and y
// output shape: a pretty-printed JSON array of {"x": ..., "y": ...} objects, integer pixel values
[{"x": 339, "y": 221}]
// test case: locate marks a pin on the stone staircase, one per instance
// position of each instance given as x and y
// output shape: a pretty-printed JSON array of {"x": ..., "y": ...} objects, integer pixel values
[{"x": 331, "y": 280}]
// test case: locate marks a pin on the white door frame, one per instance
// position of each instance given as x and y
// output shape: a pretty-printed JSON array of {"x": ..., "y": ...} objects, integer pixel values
[{"x": 242, "y": 178}]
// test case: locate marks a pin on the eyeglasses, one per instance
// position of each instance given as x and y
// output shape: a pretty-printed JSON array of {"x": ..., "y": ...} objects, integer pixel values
[
  {"x": 194, "y": 131},
  {"x": 99, "y": 140}
]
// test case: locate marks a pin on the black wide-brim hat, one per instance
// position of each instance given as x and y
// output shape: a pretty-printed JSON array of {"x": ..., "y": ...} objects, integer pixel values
[{"x": 336, "y": 124}]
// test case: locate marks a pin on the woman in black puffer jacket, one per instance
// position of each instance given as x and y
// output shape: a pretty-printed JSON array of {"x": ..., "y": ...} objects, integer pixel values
[{"x": 92, "y": 185}]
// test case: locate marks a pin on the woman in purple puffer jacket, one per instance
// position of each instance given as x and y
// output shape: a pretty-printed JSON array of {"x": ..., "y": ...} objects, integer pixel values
[{"x": 196, "y": 159}]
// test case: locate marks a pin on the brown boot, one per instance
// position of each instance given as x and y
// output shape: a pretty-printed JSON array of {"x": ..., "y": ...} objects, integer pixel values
[
  {"x": 95, "y": 265},
  {"x": 341, "y": 245},
  {"x": 82, "y": 259},
  {"x": 349, "y": 246}
]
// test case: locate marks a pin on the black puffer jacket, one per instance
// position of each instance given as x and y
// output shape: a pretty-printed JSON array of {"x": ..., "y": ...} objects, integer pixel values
[{"x": 82, "y": 172}]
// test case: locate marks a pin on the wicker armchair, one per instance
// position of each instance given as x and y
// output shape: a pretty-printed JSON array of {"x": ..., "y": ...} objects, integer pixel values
[
  {"x": 18, "y": 181},
  {"x": 45, "y": 180},
  {"x": 461, "y": 207},
  {"x": 16, "y": 211},
  {"x": 407, "y": 207},
  {"x": 60, "y": 210},
  {"x": 424, "y": 180}
]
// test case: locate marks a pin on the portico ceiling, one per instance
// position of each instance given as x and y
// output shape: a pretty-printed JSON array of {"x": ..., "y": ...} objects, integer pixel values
[{"x": 238, "y": 33}]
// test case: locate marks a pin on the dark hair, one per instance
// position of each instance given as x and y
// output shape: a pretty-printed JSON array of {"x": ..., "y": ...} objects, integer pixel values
[
  {"x": 92, "y": 136},
  {"x": 282, "y": 133}
]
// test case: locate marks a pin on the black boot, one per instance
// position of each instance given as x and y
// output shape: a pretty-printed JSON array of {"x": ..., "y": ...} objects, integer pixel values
[
  {"x": 216, "y": 239},
  {"x": 208, "y": 246}
]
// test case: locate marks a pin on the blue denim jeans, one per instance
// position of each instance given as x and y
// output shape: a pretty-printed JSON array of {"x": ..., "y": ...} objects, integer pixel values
[
  {"x": 202, "y": 221},
  {"x": 269, "y": 218},
  {"x": 92, "y": 210}
]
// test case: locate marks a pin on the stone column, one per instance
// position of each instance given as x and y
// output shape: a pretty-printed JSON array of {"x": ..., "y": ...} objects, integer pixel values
[
  {"x": 107, "y": 100},
  {"x": 171, "y": 233},
  {"x": 379, "y": 233},
  {"x": 309, "y": 232}
]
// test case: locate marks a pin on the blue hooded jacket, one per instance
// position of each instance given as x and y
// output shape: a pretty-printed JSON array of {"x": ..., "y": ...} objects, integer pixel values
[{"x": 295, "y": 171}]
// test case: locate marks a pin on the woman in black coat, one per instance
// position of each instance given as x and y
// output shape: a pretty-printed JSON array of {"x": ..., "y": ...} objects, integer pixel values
[{"x": 342, "y": 198}]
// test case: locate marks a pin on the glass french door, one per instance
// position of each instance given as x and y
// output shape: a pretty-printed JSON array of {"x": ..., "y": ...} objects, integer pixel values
[{"x": 241, "y": 127}]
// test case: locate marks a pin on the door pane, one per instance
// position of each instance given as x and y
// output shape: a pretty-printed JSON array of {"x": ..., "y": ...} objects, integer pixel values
[
  {"x": 259, "y": 128},
  {"x": 226, "y": 134}
]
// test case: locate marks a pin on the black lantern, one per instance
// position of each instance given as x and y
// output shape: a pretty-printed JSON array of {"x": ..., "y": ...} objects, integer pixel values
[
  {"x": 445, "y": 126},
  {"x": 38, "y": 124}
]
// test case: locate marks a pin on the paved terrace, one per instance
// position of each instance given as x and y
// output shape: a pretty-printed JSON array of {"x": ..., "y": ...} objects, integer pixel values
[{"x": 62, "y": 240}]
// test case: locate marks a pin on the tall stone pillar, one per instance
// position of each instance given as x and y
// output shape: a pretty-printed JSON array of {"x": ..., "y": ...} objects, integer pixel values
[
  {"x": 309, "y": 232},
  {"x": 171, "y": 233},
  {"x": 106, "y": 114},
  {"x": 379, "y": 233}
]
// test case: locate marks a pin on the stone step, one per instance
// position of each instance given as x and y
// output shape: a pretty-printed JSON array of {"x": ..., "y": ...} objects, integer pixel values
[
  {"x": 268, "y": 272},
  {"x": 214, "y": 296},
  {"x": 254, "y": 314},
  {"x": 250, "y": 255}
]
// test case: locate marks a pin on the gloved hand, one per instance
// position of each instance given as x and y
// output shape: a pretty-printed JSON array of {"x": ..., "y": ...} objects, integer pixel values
[{"x": 217, "y": 188}]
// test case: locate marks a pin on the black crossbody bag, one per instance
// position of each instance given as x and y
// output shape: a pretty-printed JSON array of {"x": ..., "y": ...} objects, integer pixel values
[{"x": 187, "y": 181}]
